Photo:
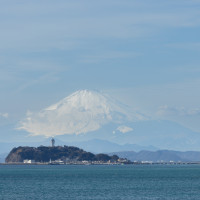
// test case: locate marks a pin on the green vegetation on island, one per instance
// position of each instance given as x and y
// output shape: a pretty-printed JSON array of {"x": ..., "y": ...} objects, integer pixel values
[{"x": 46, "y": 154}]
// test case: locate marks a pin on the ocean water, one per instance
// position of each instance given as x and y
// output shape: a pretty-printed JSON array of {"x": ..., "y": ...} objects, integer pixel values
[{"x": 99, "y": 182}]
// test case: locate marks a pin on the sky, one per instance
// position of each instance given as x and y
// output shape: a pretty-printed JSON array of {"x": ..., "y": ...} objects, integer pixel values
[{"x": 144, "y": 53}]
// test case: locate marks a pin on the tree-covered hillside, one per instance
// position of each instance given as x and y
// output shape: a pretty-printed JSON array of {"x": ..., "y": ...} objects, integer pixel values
[{"x": 45, "y": 154}]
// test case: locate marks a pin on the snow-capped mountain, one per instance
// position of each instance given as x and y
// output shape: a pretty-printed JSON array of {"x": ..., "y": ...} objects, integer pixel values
[
  {"x": 87, "y": 115},
  {"x": 81, "y": 112}
]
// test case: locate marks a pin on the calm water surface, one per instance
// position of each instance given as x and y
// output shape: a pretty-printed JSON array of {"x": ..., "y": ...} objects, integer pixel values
[{"x": 99, "y": 182}]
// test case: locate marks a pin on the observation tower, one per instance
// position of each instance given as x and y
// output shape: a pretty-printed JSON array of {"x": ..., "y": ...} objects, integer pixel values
[{"x": 52, "y": 142}]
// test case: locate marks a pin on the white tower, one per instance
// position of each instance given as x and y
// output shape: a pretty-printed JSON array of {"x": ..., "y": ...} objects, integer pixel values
[{"x": 52, "y": 142}]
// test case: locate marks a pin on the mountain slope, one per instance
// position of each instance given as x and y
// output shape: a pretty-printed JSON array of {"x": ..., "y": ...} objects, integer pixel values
[
  {"x": 161, "y": 155},
  {"x": 82, "y": 112},
  {"x": 103, "y": 146}
]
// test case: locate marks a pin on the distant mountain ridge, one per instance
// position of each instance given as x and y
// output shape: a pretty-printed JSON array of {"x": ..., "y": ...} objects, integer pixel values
[
  {"x": 161, "y": 134},
  {"x": 104, "y": 146},
  {"x": 160, "y": 155}
]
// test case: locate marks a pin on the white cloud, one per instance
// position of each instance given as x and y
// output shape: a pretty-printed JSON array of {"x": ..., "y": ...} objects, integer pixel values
[
  {"x": 4, "y": 115},
  {"x": 177, "y": 111},
  {"x": 124, "y": 129}
]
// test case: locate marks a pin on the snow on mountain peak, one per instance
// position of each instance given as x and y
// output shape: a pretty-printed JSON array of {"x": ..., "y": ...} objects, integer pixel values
[
  {"x": 83, "y": 99},
  {"x": 81, "y": 112}
]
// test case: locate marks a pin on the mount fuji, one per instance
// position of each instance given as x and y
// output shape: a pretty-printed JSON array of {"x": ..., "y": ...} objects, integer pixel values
[
  {"x": 93, "y": 116},
  {"x": 82, "y": 112}
]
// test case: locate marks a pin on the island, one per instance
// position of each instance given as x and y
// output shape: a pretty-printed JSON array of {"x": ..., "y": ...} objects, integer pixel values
[{"x": 59, "y": 155}]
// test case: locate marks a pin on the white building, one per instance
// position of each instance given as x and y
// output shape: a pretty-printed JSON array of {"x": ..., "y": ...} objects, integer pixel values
[{"x": 29, "y": 161}]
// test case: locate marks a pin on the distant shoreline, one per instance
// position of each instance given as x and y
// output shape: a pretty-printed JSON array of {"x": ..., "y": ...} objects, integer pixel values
[{"x": 106, "y": 164}]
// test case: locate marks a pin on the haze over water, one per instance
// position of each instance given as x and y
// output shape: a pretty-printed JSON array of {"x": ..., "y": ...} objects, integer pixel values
[{"x": 100, "y": 182}]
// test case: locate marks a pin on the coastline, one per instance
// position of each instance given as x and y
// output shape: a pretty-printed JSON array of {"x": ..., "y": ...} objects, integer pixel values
[{"x": 133, "y": 163}]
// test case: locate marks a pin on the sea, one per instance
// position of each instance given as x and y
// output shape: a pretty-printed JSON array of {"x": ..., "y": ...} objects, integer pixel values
[{"x": 85, "y": 182}]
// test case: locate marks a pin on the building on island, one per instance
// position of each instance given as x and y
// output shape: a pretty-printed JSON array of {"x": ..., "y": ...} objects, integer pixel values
[
  {"x": 52, "y": 142},
  {"x": 29, "y": 161}
]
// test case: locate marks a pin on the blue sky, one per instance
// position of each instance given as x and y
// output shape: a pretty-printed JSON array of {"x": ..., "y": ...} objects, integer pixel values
[{"x": 144, "y": 53}]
